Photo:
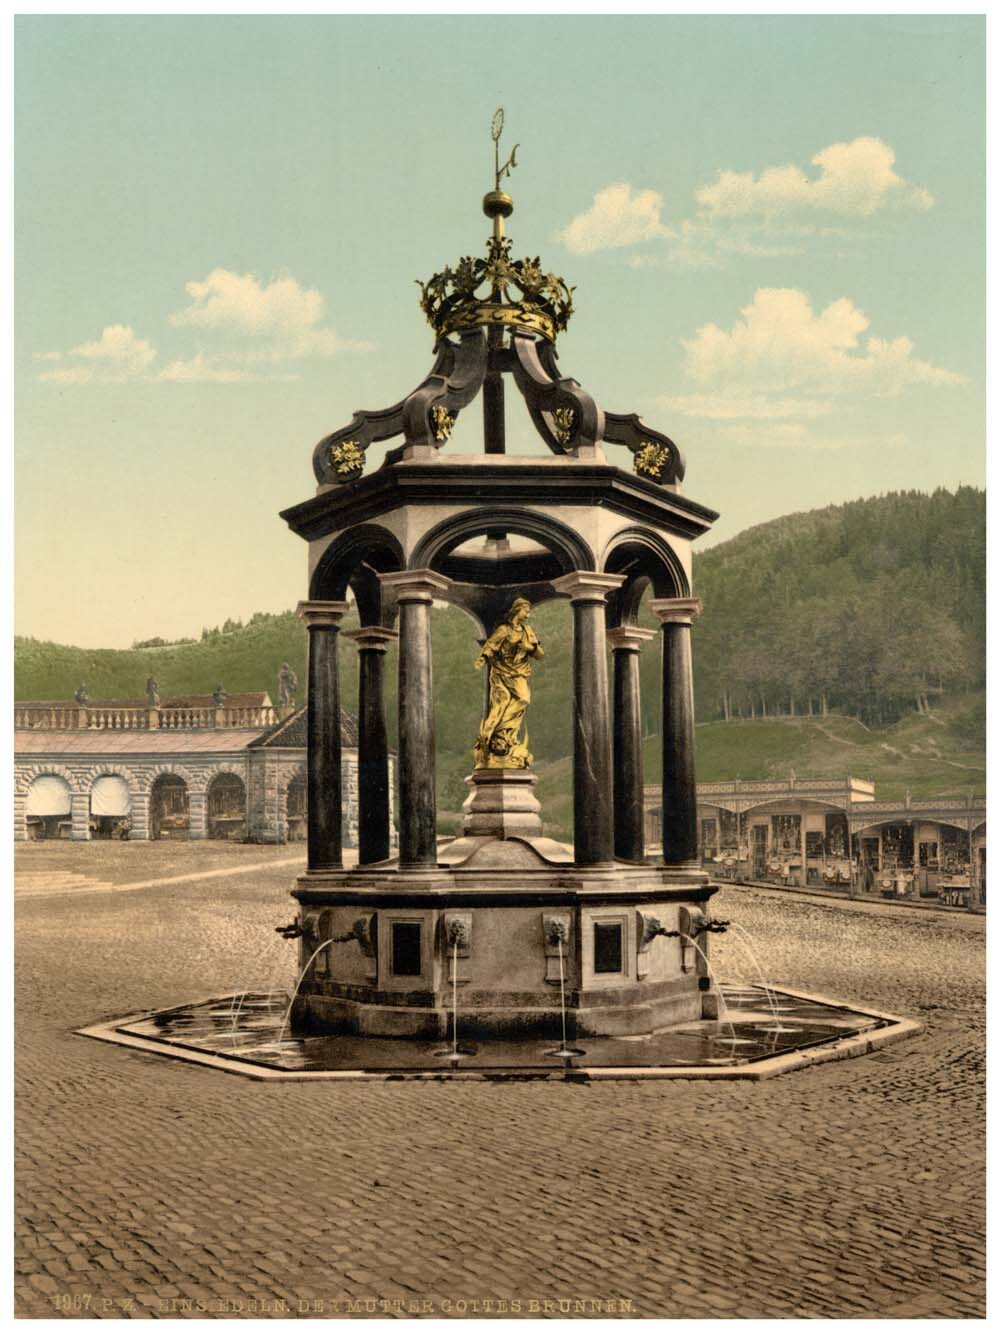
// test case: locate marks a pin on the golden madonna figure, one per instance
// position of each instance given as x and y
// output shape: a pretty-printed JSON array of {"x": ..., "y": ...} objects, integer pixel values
[{"x": 509, "y": 652}]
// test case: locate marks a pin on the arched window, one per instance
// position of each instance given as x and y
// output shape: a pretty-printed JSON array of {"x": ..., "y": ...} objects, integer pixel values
[
  {"x": 295, "y": 809},
  {"x": 110, "y": 807},
  {"x": 168, "y": 807},
  {"x": 227, "y": 808},
  {"x": 47, "y": 809}
]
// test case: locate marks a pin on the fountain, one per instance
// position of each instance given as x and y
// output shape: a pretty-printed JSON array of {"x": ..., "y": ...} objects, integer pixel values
[{"x": 595, "y": 943}]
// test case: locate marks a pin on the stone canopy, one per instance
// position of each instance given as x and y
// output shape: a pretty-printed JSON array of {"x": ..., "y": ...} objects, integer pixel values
[{"x": 483, "y": 532}]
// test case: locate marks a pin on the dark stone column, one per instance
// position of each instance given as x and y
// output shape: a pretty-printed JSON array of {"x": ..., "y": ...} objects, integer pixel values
[
  {"x": 323, "y": 774},
  {"x": 414, "y": 590},
  {"x": 679, "y": 794},
  {"x": 373, "y": 744},
  {"x": 593, "y": 799},
  {"x": 494, "y": 424},
  {"x": 626, "y": 643}
]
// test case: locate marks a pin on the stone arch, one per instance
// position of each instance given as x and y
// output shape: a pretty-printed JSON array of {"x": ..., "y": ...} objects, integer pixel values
[
  {"x": 225, "y": 766},
  {"x": 290, "y": 775},
  {"x": 294, "y": 799},
  {"x": 107, "y": 826},
  {"x": 226, "y": 803},
  {"x": 354, "y": 560},
  {"x": 26, "y": 776},
  {"x": 56, "y": 807},
  {"x": 146, "y": 777},
  {"x": 111, "y": 771},
  {"x": 569, "y": 548},
  {"x": 645, "y": 559},
  {"x": 170, "y": 815}
]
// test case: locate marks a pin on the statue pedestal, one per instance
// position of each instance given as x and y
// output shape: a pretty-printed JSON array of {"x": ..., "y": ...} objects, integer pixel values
[{"x": 502, "y": 804}]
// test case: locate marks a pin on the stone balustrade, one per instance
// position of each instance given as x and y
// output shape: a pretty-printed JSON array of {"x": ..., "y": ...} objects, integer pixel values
[{"x": 114, "y": 717}]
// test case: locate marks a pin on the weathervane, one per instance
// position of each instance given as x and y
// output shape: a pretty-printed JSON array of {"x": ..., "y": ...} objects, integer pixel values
[
  {"x": 498, "y": 204},
  {"x": 496, "y": 129}
]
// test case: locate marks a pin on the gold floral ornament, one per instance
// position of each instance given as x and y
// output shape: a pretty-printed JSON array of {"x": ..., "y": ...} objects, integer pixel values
[
  {"x": 346, "y": 459},
  {"x": 650, "y": 460},
  {"x": 564, "y": 418},
  {"x": 443, "y": 421}
]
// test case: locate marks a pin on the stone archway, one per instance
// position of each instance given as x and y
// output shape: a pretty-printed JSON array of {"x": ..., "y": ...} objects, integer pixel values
[
  {"x": 169, "y": 807},
  {"x": 296, "y": 808},
  {"x": 226, "y": 813},
  {"x": 47, "y": 807},
  {"x": 110, "y": 806},
  {"x": 647, "y": 561}
]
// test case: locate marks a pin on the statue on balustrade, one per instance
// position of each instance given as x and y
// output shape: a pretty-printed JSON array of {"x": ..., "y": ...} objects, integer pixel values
[
  {"x": 220, "y": 695},
  {"x": 82, "y": 695},
  {"x": 152, "y": 692},
  {"x": 509, "y": 653},
  {"x": 288, "y": 683}
]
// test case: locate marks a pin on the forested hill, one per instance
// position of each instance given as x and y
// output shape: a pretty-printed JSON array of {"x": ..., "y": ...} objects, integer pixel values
[{"x": 872, "y": 608}]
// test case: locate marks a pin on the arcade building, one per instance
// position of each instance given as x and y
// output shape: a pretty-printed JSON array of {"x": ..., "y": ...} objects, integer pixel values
[
  {"x": 833, "y": 833},
  {"x": 187, "y": 768}
]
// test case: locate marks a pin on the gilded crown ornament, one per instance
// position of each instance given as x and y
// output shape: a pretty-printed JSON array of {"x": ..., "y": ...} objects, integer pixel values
[
  {"x": 505, "y": 314},
  {"x": 515, "y": 292}
]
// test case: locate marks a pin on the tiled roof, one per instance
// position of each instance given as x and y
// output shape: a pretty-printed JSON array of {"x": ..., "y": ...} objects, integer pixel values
[
  {"x": 292, "y": 731},
  {"x": 203, "y": 740}
]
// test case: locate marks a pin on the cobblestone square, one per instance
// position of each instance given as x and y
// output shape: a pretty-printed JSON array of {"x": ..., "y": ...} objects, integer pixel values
[{"x": 146, "y": 1187}]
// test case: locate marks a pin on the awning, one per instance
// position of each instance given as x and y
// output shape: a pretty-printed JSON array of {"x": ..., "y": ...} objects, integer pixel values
[
  {"x": 109, "y": 796},
  {"x": 48, "y": 795}
]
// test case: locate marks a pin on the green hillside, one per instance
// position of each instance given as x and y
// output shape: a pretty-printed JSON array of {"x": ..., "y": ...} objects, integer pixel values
[
  {"x": 873, "y": 611},
  {"x": 873, "y": 608},
  {"x": 938, "y": 754},
  {"x": 244, "y": 658}
]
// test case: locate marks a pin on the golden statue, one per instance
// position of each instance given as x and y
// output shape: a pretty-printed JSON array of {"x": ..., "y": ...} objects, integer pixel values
[{"x": 508, "y": 651}]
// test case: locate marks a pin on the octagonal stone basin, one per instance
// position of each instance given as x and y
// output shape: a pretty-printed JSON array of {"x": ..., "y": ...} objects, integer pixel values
[{"x": 760, "y": 1037}]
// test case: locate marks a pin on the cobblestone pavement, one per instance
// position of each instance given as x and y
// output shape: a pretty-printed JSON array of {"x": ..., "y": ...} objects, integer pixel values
[{"x": 147, "y": 1187}]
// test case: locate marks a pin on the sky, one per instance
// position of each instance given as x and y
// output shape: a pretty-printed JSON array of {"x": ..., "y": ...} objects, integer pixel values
[{"x": 775, "y": 227}]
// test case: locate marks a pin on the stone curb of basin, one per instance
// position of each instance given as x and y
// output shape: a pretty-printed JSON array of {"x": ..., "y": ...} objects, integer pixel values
[{"x": 845, "y": 1048}]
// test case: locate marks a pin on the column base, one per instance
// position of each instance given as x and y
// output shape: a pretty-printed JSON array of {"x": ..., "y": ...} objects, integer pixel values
[{"x": 502, "y": 804}]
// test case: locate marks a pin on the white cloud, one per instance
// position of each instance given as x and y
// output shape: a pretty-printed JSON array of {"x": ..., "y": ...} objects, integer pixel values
[
  {"x": 618, "y": 216},
  {"x": 249, "y": 327},
  {"x": 725, "y": 406},
  {"x": 794, "y": 435},
  {"x": 855, "y": 179},
  {"x": 779, "y": 344},
  {"x": 117, "y": 356},
  {"x": 740, "y": 214},
  {"x": 283, "y": 318},
  {"x": 70, "y": 375},
  {"x": 198, "y": 370}
]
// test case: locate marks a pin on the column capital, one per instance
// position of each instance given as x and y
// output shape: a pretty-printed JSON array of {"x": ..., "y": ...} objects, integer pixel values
[
  {"x": 372, "y": 637},
  {"x": 584, "y": 585},
  {"x": 414, "y": 585},
  {"x": 675, "y": 610},
  {"x": 629, "y": 638},
  {"x": 322, "y": 614}
]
